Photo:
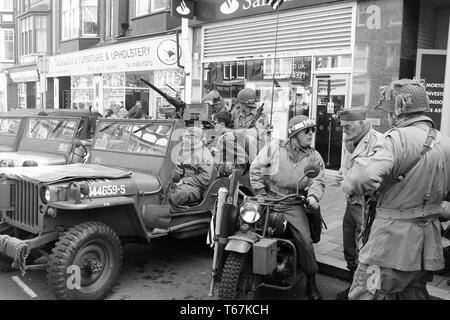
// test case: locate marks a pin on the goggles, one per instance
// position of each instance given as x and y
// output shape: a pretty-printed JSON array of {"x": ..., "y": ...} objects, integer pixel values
[{"x": 307, "y": 125}]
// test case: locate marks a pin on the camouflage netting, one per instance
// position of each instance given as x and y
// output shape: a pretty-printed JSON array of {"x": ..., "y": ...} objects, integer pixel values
[{"x": 16, "y": 249}]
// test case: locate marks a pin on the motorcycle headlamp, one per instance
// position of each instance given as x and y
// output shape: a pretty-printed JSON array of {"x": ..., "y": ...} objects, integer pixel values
[
  {"x": 250, "y": 212},
  {"x": 45, "y": 194}
]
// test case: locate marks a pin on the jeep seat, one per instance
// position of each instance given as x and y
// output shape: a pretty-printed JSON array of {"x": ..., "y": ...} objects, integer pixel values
[{"x": 206, "y": 192}]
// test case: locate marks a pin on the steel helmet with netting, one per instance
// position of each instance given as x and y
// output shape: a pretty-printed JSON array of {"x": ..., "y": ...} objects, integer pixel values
[{"x": 404, "y": 96}]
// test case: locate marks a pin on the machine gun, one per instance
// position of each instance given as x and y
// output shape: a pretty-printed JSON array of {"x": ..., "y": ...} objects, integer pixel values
[{"x": 178, "y": 104}]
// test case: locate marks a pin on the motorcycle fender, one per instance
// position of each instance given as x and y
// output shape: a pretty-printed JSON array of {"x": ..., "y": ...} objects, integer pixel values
[
  {"x": 238, "y": 246},
  {"x": 241, "y": 243}
]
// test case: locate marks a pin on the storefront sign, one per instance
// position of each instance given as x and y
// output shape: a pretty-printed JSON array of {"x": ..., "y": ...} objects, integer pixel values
[
  {"x": 149, "y": 54},
  {"x": 24, "y": 76},
  {"x": 431, "y": 68},
  {"x": 216, "y": 10},
  {"x": 183, "y": 8}
]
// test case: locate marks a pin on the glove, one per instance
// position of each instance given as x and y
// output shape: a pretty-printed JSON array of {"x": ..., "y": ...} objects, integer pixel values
[
  {"x": 176, "y": 176},
  {"x": 260, "y": 196},
  {"x": 313, "y": 203},
  {"x": 339, "y": 178}
]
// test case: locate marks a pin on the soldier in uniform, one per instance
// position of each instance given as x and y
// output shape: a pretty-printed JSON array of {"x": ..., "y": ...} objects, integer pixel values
[
  {"x": 233, "y": 148},
  {"x": 249, "y": 119},
  {"x": 275, "y": 173},
  {"x": 194, "y": 168},
  {"x": 216, "y": 103},
  {"x": 360, "y": 139},
  {"x": 408, "y": 177}
]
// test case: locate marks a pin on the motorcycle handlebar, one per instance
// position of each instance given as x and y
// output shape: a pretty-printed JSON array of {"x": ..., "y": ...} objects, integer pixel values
[{"x": 272, "y": 200}]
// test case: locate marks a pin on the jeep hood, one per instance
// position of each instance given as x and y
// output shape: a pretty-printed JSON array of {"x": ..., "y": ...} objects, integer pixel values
[
  {"x": 42, "y": 159},
  {"x": 48, "y": 175},
  {"x": 4, "y": 148}
]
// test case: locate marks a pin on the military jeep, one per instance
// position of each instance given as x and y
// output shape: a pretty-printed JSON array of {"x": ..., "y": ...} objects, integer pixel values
[
  {"x": 45, "y": 137},
  {"x": 79, "y": 216}
]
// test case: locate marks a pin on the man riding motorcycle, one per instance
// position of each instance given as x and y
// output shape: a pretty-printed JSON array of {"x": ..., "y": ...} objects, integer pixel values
[{"x": 275, "y": 173}]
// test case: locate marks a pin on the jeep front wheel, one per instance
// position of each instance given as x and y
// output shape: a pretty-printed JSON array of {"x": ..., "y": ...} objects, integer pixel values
[{"x": 85, "y": 262}]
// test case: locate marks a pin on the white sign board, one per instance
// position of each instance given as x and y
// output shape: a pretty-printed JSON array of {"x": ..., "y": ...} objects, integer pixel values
[{"x": 148, "y": 54}]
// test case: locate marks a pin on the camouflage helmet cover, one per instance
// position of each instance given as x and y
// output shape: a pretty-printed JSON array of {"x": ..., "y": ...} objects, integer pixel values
[{"x": 404, "y": 96}]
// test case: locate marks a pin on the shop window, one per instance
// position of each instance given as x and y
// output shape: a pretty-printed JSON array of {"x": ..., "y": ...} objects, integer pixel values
[
  {"x": 234, "y": 70},
  {"x": 7, "y": 45},
  {"x": 113, "y": 90},
  {"x": 22, "y": 95},
  {"x": 79, "y": 18},
  {"x": 290, "y": 96},
  {"x": 333, "y": 62},
  {"x": 82, "y": 89},
  {"x": 144, "y": 7}
]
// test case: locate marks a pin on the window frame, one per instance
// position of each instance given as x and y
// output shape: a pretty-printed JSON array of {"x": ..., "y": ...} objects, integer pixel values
[
  {"x": 3, "y": 47},
  {"x": 4, "y": 8},
  {"x": 75, "y": 14},
  {"x": 149, "y": 5}
]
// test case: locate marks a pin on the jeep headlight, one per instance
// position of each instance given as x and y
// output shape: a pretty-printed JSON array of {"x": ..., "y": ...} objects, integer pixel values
[
  {"x": 250, "y": 212},
  {"x": 7, "y": 163},
  {"x": 45, "y": 195}
]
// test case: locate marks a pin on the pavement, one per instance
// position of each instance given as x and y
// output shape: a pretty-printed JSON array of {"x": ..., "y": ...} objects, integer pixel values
[{"x": 330, "y": 253}]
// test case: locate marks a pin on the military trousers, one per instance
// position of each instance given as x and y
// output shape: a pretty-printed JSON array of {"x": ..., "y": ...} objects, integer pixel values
[
  {"x": 379, "y": 283},
  {"x": 185, "y": 194},
  {"x": 351, "y": 228}
]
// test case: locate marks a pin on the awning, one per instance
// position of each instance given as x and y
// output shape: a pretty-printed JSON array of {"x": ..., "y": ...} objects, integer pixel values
[{"x": 29, "y": 74}]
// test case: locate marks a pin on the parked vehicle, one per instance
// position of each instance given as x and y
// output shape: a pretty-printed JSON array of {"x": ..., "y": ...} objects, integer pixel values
[
  {"x": 253, "y": 248},
  {"x": 31, "y": 137},
  {"x": 79, "y": 216}
]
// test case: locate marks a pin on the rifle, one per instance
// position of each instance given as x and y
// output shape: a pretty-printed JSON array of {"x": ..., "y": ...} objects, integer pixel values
[
  {"x": 177, "y": 103},
  {"x": 257, "y": 115}
]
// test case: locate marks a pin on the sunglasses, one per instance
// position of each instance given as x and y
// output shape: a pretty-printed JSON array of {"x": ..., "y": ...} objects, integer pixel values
[{"x": 307, "y": 130}]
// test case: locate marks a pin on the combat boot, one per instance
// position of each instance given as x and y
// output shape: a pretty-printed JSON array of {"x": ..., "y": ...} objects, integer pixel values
[{"x": 311, "y": 288}]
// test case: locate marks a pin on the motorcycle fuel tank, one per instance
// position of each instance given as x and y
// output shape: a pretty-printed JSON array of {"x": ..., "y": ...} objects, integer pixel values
[{"x": 264, "y": 256}]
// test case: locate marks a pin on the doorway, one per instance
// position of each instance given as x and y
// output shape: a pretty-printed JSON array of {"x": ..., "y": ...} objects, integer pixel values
[{"x": 331, "y": 93}]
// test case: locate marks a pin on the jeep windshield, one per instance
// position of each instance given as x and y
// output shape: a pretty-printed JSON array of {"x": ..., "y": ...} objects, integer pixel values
[
  {"x": 145, "y": 138},
  {"x": 9, "y": 126},
  {"x": 51, "y": 129}
]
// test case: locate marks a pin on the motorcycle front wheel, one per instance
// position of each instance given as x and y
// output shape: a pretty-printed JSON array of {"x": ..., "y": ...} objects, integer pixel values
[{"x": 238, "y": 280}]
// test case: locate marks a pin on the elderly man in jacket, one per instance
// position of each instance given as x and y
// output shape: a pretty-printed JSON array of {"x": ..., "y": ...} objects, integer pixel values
[
  {"x": 408, "y": 176},
  {"x": 194, "y": 168},
  {"x": 360, "y": 139},
  {"x": 275, "y": 173}
]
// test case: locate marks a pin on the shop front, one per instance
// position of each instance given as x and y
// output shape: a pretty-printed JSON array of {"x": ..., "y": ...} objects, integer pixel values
[
  {"x": 26, "y": 82},
  {"x": 107, "y": 77},
  {"x": 298, "y": 61}
]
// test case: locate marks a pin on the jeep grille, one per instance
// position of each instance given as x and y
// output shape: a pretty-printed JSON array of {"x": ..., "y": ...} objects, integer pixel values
[{"x": 26, "y": 200}]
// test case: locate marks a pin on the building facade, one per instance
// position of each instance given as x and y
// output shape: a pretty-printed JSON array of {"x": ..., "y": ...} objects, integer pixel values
[
  {"x": 312, "y": 57},
  {"x": 6, "y": 50},
  {"x": 316, "y": 57},
  {"x": 99, "y": 61}
]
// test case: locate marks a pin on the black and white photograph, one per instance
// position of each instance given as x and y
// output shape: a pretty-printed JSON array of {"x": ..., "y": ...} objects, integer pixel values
[{"x": 229, "y": 156}]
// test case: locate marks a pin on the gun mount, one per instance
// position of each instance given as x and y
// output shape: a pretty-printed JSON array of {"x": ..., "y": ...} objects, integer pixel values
[{"x": 178, "y": 104}]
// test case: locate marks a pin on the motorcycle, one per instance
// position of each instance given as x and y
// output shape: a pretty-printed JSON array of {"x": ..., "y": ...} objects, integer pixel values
[{"x": 253, "y": 248}]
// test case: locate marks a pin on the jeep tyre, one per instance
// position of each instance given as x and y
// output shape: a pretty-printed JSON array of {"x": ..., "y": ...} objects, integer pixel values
[{"x": 96, "y": 250}]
